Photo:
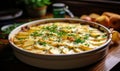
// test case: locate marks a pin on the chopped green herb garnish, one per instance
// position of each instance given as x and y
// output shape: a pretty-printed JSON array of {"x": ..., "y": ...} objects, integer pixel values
[
  {"x": 36, "y": 34},
  {"x": 86, "y": 36},
  {"x": 61, "y": 33},
  {"x": 104, "y": 36},
  {"x": 20, "y": 38},
  {"x": 42, "y": 43},
  {"x": 70, "y": 34},
  {"x": 52, "y": 28},
  {"x": 79, "y": 40},
  {"x": 87, "y": 44}
]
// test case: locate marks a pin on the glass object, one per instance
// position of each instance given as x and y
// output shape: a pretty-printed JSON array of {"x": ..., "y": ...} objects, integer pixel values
[{"x": 58, "y": 10}]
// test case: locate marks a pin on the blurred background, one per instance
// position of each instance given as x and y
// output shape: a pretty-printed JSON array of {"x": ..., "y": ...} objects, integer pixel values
[
  {"x": 78, "y": 7},
  {"x": 16, "y": 9}
]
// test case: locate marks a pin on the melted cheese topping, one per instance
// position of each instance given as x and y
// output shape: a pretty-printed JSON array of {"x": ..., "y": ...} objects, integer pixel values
[{"x": 59, "y": 38}]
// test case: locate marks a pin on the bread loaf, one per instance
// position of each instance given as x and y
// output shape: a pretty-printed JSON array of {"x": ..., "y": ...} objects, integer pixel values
[{"x": 114, "y": 20}]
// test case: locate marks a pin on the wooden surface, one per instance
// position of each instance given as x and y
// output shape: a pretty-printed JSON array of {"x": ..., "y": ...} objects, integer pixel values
[
  {"x": 9, "y": 62},
  {"x": 112, "y": 58}
]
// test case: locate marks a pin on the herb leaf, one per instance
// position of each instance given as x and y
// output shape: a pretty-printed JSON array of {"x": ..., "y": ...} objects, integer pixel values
[
  {"x": 42, "y": 43},
  {"x": 79, "y": 40}
]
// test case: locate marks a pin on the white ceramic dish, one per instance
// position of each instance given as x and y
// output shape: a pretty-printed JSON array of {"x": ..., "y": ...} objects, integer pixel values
[
  {"x": 67, "y": 61},
  {"x": 8, "y": 28},
  {"x": 3, "y": 28},
  {"x": 10, "y": 14}
]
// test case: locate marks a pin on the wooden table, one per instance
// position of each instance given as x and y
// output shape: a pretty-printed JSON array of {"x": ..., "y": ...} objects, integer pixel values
[{"x": 8, "y": 62}]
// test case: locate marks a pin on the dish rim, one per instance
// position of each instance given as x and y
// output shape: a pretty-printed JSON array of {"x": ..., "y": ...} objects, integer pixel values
[{"x": 62, "y": 19}]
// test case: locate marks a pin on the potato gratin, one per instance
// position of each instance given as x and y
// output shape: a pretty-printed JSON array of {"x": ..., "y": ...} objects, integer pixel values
[{"x": 59, "y": 38}]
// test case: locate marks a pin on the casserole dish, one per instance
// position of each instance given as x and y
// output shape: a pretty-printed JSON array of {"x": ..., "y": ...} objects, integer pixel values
[{"x": 61, "y": 61}]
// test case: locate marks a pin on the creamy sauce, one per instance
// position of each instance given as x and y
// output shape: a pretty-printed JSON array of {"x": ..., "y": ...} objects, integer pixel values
[{"x": 59, "y": 38}]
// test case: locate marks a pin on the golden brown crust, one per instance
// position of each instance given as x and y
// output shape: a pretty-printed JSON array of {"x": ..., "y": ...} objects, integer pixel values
[{"x": 114, "y": 19}]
